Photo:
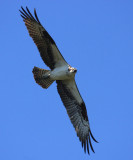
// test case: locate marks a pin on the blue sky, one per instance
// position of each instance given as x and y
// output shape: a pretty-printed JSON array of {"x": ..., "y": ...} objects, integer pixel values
[{"x": 96, "y": 37}]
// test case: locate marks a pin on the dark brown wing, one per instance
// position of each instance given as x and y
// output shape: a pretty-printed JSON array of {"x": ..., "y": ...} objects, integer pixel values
[
  {"x": 45, "y": 44},
  {"x": 76, "y": 110}
]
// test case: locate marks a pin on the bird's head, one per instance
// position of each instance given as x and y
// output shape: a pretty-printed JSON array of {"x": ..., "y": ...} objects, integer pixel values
[{"x": 71, "y": 69}]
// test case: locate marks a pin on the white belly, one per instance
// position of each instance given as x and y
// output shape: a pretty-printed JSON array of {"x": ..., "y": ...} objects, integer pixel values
[{"x": 61, "y": 73}]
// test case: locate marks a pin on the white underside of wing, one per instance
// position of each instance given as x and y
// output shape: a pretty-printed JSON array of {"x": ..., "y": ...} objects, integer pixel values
[
  {"x": 71, "y": 85},
  {"x": 58, "y": 57}
]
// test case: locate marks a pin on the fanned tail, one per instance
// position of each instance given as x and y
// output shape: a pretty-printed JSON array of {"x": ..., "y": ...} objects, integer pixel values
[{"x": 42, "y": 77}]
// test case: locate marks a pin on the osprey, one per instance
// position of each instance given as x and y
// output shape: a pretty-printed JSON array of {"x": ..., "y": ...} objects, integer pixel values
[{"x": 63, "y": 74}]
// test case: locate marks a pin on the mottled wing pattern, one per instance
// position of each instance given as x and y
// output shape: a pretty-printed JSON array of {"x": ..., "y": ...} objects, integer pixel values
[
  {"x": 45, "y": 44},
  {"x": 76, "y": 110}
]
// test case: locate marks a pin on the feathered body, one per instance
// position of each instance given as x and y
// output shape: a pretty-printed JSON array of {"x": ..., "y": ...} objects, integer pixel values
[{"x": 63, "y": 74}]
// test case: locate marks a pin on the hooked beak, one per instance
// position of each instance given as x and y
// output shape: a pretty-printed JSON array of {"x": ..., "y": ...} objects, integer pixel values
[{"x": 75, "y": 70}]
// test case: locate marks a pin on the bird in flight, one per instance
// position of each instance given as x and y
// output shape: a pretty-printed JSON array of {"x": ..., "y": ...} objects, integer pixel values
[{"x": 61, "y": 72}]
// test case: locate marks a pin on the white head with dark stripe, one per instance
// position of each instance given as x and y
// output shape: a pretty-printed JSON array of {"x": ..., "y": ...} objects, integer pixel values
[{"x": 71, "y": 69}]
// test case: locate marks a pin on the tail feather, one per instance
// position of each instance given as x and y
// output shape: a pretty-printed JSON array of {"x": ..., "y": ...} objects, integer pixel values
[{"x": 42, "y": 77}]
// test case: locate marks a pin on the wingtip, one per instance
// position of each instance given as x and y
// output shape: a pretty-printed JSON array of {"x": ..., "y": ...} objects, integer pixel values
[
  {"x": 93, "y": 137},
  {"x": 22, "y": 14},
  {"x": 26, "y": 14},
  {"x": 86, "y": 143},
  {"x": 91, "y": 145},
  {"x": 20, "y": 9},
  {"x": 88, "y": 148},
  {"x": 36, "y": 16},
  {"x": 27, "y": 8},
  {"x": 35, "y": 11}
]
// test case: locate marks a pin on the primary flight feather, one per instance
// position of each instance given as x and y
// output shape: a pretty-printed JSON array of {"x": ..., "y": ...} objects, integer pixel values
[{"x": 63, "y": 74}]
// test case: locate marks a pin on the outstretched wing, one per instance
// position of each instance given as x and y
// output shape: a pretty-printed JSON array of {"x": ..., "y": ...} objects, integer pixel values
[
  {"x": 76, "y": 110},
  {"x": 45, "y": 44}
]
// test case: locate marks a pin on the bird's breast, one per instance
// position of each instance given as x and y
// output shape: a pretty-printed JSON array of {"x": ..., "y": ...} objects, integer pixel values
[{"x": 61, "y": 73}]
